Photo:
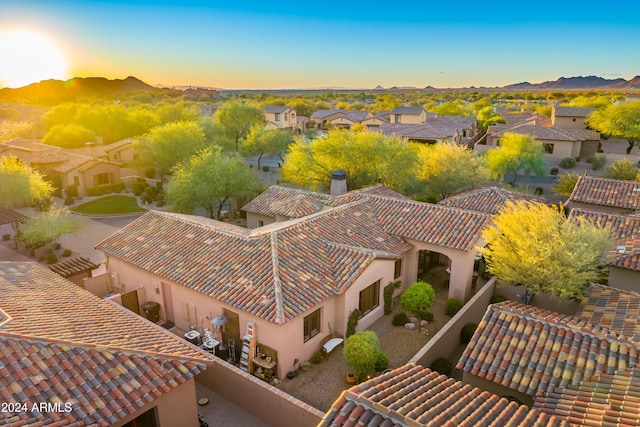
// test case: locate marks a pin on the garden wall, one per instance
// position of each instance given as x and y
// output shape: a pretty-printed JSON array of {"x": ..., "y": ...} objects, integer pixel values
[{"x": 447, "y": 340}]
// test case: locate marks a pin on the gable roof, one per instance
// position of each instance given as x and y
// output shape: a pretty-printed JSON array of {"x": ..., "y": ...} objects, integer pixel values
[
  {"x": 532, "y": 350},
  {"x": 606, "y": 192},
  {"x": 571, "y": 111},
  {"x": 488, "y": 199},
  {"x": 59, "y": 343},
  {"x": 544, "y": 133},
  {"x": 412, "y": 111},
  {"x": 259, "y": 271},
  {"x": 296, "y": 207},
  {"x": 351, "y": 115},
  {"x": 412, "y": 395},
  {"x": 8, "y": 216},
  {"x": 262, "y": 204},
  {"x": 276, "y": 109},
  {"x": 628, "y": 254},
  {"x": 612, "y": 400}
]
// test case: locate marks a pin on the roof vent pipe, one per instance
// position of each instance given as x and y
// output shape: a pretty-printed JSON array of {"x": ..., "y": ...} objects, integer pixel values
[{"x": 338, "y": 183}]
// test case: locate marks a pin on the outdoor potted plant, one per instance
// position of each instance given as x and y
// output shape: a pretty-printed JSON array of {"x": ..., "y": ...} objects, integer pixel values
[
  {"x": 351, "y": 378},
  {"x": 305, "y": 366}
]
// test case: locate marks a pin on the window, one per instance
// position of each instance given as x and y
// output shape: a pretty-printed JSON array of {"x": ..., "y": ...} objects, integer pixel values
[
  {"x": 76, "y": 181},
  {"x": 397, "y": 269},
  {"x": 286, "y": 117},
  {"x": 147, "y": 419},
  {"x": 370, "y": 298},
  {"x": 548, "y": 148},
  {"x": 101, "y": 178},
  {"x": 277, "y": 117},
  {"x": 260, "y": 223},
  {"x": 396, "y": 118},
  {"x": 311, "y": 325}
]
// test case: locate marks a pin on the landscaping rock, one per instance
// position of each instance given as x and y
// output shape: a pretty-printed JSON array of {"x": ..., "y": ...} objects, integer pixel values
[{"x": 410, "y": 325}]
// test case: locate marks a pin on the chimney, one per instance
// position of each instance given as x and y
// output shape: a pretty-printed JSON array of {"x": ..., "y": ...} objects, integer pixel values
[{"x": 338, "y": 183}]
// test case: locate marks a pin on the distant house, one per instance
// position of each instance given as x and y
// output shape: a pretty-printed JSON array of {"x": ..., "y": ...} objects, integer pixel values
[
  {"x": 124, "y": 151},
  {"x": 605, "y": 195},
  {"x": 488, "y": 199},
  {"x": 85, "y": 361},
  {"x": 408, "y": 115},
  {"x": 198, "y": 92},
  {"x": 345, "y": 119},
  {"x": 568, "y": 117},
  {"x": 412, "y": 395},
  {"x": 436, "y": 130},
  {"x": 297, "y": 280},
  {"x": 281, "y": 117}
]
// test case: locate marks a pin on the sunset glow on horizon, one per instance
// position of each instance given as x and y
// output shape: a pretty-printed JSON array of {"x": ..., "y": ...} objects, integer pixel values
[{"x": 256, "y": 45}]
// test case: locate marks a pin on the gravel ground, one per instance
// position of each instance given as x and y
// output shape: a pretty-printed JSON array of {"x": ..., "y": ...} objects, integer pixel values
[{"x": 323, "y": 383}]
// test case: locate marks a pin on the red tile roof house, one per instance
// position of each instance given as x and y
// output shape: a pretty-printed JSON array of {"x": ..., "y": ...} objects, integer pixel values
[
  {"x": 326, "y": 119},
  {"x": 487, "y": 199},
  {"x": 624, "y": 267},
  {"x": 297, "y": 280},
  {"x": 559, "y": 363},
  {"x": 414, "y": 396},
  {"x": 71, "y": 359},
  {"x": 281, "y": 117},
  {"x": 605, "y": 195}
]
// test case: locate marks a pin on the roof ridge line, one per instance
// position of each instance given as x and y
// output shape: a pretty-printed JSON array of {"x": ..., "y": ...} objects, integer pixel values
[{"x": 277, "y": 284}]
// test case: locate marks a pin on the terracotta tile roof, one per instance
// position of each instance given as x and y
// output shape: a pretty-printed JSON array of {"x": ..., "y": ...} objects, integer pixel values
[
  {"x": 352, "y": 115},
  {"x": 73, "y": 266},
  {"x": 570, "y": 111},
  {"x": 275, "y": 272},
  {"x": 60, "y": 344},
  {"x": 621, "y": 226},
  {"x": 261, "y": 205},
  {"x": 8, "y": 216},
  {"x": 413, "y": 396},
  {"x": 546, "y": 133},
  {"x": 533, "y": 350},
  {"x": 489, "y": 199},
  {"x": 611, "y": 400},
  {"x": 607, "y": 192},
  {"x": 628, "y": 254},
  {"x": 614, "y": 309},
  {"x": 296, "y": 207}
]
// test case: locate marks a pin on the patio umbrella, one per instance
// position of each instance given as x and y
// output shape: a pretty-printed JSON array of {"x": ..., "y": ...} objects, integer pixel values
[{"x": 220, "y": 320}]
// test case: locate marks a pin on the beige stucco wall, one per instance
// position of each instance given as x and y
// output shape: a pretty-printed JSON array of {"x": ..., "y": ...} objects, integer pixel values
[
  {"x": 287, "y": 120},
  {"x": 253, "y": 220},
  {"x": 569, "y": 122},
  {"x": 577, "y": 205},
  {"x": 413, "y": 119},
  {"x": 624, "y": 279},
  {"x": 167, "y": 415},
  {"x": 561, "y": 149}
]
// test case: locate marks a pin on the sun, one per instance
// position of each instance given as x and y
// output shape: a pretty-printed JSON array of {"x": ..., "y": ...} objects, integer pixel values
[{"x": 28, "y": 56}]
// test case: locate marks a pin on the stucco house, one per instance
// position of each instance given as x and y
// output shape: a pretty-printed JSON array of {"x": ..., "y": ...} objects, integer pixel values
[
  {"x": 281, "y": 117},
  {"x": 326, "y": 119},
  {"x": 569, "y": 117},
  {"x": 414, "y": 396},
  {"x": 85, "y": 361},
  {"x": 605, "y": 195},
  {"x": 408, "y": 115},
  {"x": 296, "y": 280},
  {"x": 554, "y": 362},
  {"x": 435, "y": 130}
]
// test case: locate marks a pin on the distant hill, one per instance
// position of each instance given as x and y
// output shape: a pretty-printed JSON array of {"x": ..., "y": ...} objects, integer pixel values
[
  {"x": 76, "y": 87},
  {"x": 589, "y": 82}
]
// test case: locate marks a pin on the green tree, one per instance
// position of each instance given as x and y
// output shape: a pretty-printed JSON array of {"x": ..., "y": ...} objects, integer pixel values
[
  {"x": 237, "y": 119},
  {"x": 620, "y": 121},
  {"x": 566, "y": 183},
  {"x": 10, "y": 130},
  {"x": 453, "y": 108},
  {"x": 417, "y": 299},
  {"x": 367, "y": 157},
  {"x": 387, "y": 102},
  {"x": 208, "y": 179},
  {"x": 171, "y": 143},
  {"x": 303, "y": 107},
  {"x": 448, "y": 168},
  {"x": 261, "y": 141},
  {"x": 532, "y": 245},
  {"x": 20, "y": 185},
  {"x": 623, "y": 169},
  {"x": 361, "y": 351},
  {"x": 597, "y": 102},
  {"x": 46, "y": 228},
  {"x": 69, "y": 136},
  {"x": 514, "y": 153}
]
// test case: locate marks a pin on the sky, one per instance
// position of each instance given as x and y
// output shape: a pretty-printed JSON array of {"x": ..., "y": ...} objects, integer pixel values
[{"x": 307, "y": 44}]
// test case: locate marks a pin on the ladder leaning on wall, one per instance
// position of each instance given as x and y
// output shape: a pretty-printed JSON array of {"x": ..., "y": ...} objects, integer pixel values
[{"x": 248, "y": 348}]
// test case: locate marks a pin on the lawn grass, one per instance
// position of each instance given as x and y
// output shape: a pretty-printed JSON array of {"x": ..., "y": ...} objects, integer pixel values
[{"x": 110, "y": 205}]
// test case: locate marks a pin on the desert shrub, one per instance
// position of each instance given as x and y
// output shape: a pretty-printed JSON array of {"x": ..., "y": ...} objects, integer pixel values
[
  {"x": 427, "y": 198},
  {"x": 400, "y": 319},
  {"x": 42, "y": 258},
  {"x": 52, "y": 259},
  {"x": 568, "y": 163},
  {"x": 66, "y": 252},
  {"x": 442, "y": 365},
  {"x": 382, "y": 361},
  {"x": 538, "y": 191},
  {"x": 150, "y": 172},
  {"x": 452, "y": 306},
  {"x": 69, "y": 201},
  {"x": 71, "y": 191},
  {"x": 467, "y": 332},
  {"x": 6, "y": 237},
  {"x": 425, "y": 315},
  {"x": 265, "y": 169},
  {"x": 318, "y": 357},
  {"x": 352, "y": 321},
  {"x": 597, "y": 162},
  {"x": 554, "y": 171},
  {"x": 138, "y": 187},
  {"x": 497, "y": 298}
]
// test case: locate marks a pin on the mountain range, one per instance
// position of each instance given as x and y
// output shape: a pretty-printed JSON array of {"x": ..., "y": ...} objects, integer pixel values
[{"x": 589, "y": 82}]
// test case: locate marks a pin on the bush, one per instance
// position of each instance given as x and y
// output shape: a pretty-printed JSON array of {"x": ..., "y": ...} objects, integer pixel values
[
  {"x": 6, "y": 237},
  {"x": 597, "y": 162},
  {"x": 388, "y": 296},
  {"x": 452, "y": 306},
  {"x": 150, "y": 173},
  {"x": 442, "y": 365},
  {"x": 69, "y": 201},
  {"x": 265, "y": 169},
  {"x": 538, "y": 191},
  {"x": 42, "y": 258},
  {"x": 568, "y": 163},
  {"x": 71, "y": 191},
  {"x": 497, "y": 298},
  {"x": 425, "y": 315},
  {"x": 66, "y": 252},
  {"x": 467, "y": 332},
  {"x": 554, "y": 171},
  {"x": 427, "y": 198},
  {"x": 105, "y": 189},
  {"x": 382, "y": 361},
  {"x": 138, "y": 187},
  {"x": 352, "y": 322},
  {"x": 52, "y": 259},
  {"x": 318, "y": 357},
  {"x": 400, "y": 319}
]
